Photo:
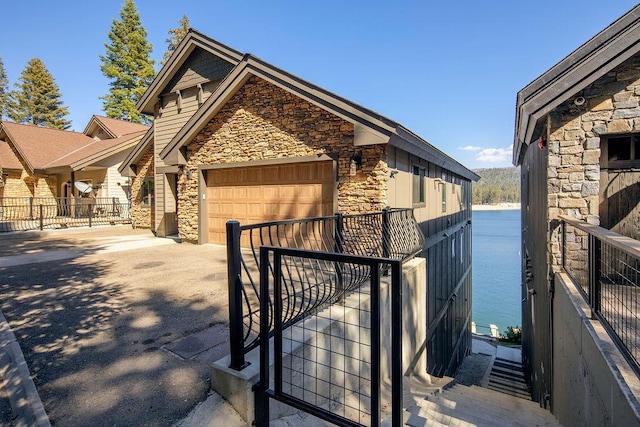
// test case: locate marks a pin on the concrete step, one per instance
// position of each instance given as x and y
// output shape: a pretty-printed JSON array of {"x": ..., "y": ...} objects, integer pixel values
[
  {"x": 466, "y": 415},
  {"x": 503, "y": 405},
  {"x": 434, "y": 412}
]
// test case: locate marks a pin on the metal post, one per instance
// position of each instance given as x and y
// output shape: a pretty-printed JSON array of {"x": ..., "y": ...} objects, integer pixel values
[
  {"x": 564, "y": 244},
  {"x": 594, "y": 274},
  {"x": 31, "y": 207},
  {"x": 41, "y": 217},
  {"x": 234, "y": 283},
  {"x": 375, "y": 343},
  {"x": 396, "y": 344},
  {"x": 386, "y": 233},
  {"x": 262, "y": 387},
  {"x": 339, "y": 248},
  {"x": 90, "y": 213}
]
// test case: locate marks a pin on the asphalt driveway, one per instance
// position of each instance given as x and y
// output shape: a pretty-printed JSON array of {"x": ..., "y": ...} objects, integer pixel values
[{"x": 96, "y": 311}]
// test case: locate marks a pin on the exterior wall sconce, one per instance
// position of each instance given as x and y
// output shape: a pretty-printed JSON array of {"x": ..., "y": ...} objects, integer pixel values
[
  {"x": 356, "y": 164},
  {"x": 393, "y": 173},
  {"x": 187, "y": 174}
]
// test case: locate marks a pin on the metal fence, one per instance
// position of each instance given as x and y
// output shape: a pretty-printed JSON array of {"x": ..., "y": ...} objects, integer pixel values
[
  {"x": 38, "y": 213},
  {"x": 328, "y": 364},
  {"x": 606, "y": 267},
  {"x": 392, "y": 234}
]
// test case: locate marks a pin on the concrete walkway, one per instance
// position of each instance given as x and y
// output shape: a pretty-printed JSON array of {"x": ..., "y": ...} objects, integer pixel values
[{"x": 117, "y": 327}]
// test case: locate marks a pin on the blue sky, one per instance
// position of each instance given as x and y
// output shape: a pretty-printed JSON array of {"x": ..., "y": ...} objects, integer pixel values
[{"x": 447, "y": 70}]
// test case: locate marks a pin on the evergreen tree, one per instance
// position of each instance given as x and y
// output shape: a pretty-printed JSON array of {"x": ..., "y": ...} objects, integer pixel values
[
  {"x": 4, "y": 85},
  {"x": 175, "y": 37},
  {"x": 37, "y": 99},
  {"x": 127, "y": 64}
]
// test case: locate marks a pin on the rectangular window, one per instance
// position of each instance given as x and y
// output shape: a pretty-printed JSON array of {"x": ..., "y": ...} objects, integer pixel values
[
  {"x": 444, "y": 197},
  {"x": 418, "y": 185},
  {"x": 620, "y": 151},
  {"x": 147, "y": 192}
]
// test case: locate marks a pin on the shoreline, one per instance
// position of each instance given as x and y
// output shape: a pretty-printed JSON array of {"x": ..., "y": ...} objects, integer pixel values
[{"x": 496, "y": 207}]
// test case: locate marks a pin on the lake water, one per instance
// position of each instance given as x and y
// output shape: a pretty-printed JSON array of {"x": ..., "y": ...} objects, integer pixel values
[{"x": 496, "y": 269}]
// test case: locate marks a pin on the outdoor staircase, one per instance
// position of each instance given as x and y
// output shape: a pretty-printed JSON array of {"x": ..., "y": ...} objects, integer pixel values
[
  {"x": 506, "y": 377},
  {"x": 462, "y": 406}
]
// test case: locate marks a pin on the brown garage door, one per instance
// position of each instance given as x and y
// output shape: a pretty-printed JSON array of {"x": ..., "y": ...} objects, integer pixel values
[{"x": 267, "y": 193}]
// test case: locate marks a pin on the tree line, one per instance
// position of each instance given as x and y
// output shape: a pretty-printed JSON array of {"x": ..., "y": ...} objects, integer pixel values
[
  {"x": 127, "y": 63},
  {"x": 496, "y": 185}
]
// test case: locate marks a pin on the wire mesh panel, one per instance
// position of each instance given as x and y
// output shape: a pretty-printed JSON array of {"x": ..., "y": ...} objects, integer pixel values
[
  {"x": 327, "y": 359},
  {"x": 619, "y": 296}
]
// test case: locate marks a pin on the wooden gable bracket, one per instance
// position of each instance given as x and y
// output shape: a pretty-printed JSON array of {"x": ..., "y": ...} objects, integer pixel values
[
  {"x": 200, "y": 95},
  {"x": 179, "y": 100}
]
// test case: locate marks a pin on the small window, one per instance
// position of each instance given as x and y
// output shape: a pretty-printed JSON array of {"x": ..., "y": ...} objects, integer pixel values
[
  {"x": 147, "y": 192},
  {"x": 620, "y": 152},
  {"x": 444, "y": 197},
  {"x": 418, "y": 185}
]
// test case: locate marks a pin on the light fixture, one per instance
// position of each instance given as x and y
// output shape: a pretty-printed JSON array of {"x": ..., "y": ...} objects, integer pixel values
[
  {"x": 355, "y": 164},
  {"x": 393, "y": 173}
]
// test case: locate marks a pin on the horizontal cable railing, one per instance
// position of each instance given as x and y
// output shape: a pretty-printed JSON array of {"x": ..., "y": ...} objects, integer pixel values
[
  {"x": 392, "y": 234},
  {"x": 32, "y": 213},
  {"x": 606, "y": 267}
]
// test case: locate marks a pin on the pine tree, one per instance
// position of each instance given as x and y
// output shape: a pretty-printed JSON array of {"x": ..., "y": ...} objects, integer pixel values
[
  {"x": 127, "y": 64},
  {"x": 175, "y": 37},
  {"x": 4, "y": 86},
  {"x": 37, "y": 99}
]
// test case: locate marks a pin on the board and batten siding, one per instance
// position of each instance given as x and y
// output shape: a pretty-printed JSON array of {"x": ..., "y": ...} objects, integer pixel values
[{"x": 447, "y": 251}]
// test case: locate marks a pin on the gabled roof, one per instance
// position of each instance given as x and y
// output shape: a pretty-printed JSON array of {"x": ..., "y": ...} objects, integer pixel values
[
  {"x": 605, "y": 51},
  {"x": 134, "y": 155},
  {"x": 38, "y": 146},
  {"x": 96, "y": 151},
  {"x": 8, "y": 159},
  {"x": 370, "y": 127},
  {"x": 191, "y": 41},
  {"x": 115, "y": 128}
]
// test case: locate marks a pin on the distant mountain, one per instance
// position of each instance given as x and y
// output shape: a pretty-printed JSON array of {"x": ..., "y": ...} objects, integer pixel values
[{"x": 496, "y": 185}]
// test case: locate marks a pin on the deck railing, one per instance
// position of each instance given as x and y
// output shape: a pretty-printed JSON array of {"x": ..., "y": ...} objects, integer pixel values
[
  {"x": 33, "y": 213},
  {"x": 390, "y": 234},
  {"x": 606, "y": 267}
]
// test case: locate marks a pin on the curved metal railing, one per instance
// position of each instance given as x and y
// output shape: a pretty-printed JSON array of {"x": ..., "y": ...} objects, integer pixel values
[{"x": 309, "y": 285}]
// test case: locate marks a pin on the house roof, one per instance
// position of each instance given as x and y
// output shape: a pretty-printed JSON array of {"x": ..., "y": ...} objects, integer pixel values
[
  {"x": 8, "y": 159},
  {"x": 38, "y": 146},
  {"x": 115, "y": 128},
  {"x": 370, "y": 127},
  {"x": 605, "y": 51},
  {"x": 43, "y": 148},
  {"x": 96, "y": 151},
  {"x": 191, "y": 41}
]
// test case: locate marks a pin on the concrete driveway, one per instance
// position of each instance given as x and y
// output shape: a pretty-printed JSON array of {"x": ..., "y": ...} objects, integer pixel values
[{"x": 102, "y": 316}]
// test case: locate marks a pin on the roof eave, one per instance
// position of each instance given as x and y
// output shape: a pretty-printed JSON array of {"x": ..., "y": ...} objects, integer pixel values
[{"x": 135, "y": 153}]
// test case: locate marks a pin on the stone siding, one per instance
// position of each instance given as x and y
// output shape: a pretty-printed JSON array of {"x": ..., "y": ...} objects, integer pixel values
[
  {"x": 261, "y": 122},
  {"x": 16, "y": 186},
  {"x": 573, "y": 170},
  {"x": 142, "y": 216}
]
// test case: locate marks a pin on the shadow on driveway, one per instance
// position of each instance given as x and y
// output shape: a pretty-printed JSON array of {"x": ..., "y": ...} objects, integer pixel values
[{"x": 91, "y": 328}]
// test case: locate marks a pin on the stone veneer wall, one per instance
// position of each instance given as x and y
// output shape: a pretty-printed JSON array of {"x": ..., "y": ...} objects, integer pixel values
[
  {"x": 262, "y": 121},
  {"x": 16, "y": 186},
  {"x": 573, "y": 172},
  {"x": 142, "y": 216}
]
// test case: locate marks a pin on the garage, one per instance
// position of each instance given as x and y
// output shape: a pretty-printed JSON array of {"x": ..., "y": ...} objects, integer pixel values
[{"x": 267, "y": 193}]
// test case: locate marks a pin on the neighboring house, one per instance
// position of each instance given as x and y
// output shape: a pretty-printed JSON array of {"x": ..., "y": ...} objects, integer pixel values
[
  {"x": 577, "y": 142},
  {"x": 237, "y": 138},
  {"x": 43, "y": 162}
]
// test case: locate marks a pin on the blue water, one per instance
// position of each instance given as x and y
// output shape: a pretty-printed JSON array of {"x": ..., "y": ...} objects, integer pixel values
[{"x": 496, "y": 269}]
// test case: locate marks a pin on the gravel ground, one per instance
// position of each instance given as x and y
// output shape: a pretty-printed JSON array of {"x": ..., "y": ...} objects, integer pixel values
[{"x": 473, "y": 369}]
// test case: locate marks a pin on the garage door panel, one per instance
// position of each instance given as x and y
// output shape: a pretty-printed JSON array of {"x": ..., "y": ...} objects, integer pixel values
[{"x": 267, "y": 193}]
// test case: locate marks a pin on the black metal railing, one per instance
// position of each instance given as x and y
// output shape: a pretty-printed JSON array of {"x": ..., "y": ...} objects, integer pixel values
[
  {"x": 606, "y": 267},
  {"x": 33, "y": 213},
  {"x": 329, "y": 363},
  {"x": 390, "y": 234}
]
